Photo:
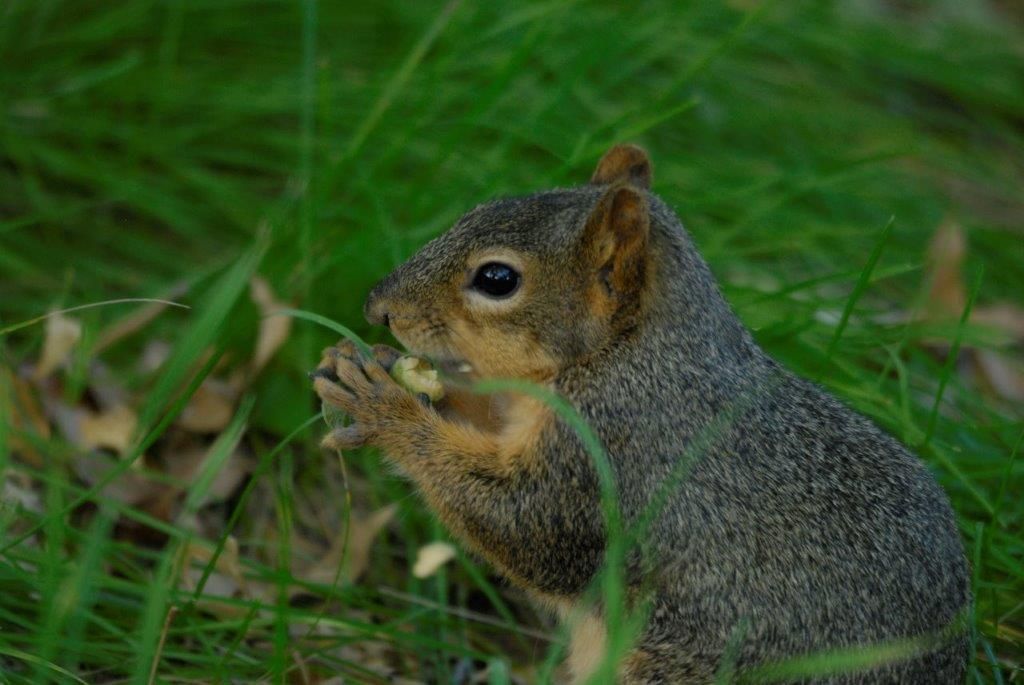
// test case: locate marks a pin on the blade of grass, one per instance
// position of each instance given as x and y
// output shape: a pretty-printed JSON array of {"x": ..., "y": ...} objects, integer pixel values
[
  {"x": 343, "y": 331},
  {"x": 155, "y": 612},
  {"x": 611, "y": 579},
  {"x": 202, "y": 332},
  {"x": 263, "y": 467},
  {"x": 861, "y": 286},
  {"x": 280, "y": 657},
  {"x": 37, "y": 661},
  {"x": 122, "y": 466},
  {"x": 397, "y": 82},
  {"x": 307, "y": 136},
  {"x": 842, "y": 661},
  {"x": 951, "y": 359},
  {"x": 79, "y": 593},
  {"x": 128, "y": 300}
]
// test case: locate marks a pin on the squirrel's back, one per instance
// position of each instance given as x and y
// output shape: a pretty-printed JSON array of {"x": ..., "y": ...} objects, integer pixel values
[{"x": 794, "y": 524}]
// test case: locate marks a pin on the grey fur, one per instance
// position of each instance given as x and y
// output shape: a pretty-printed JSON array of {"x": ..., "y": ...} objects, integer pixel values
[{"x": 801, "y": 527}]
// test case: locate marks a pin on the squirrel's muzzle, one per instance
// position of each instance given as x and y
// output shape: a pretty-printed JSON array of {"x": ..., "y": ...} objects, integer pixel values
[{"x": 375, "y": 308}]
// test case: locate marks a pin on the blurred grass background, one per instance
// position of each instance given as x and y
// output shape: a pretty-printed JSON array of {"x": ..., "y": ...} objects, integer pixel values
[{"x": 150, "y": 148}]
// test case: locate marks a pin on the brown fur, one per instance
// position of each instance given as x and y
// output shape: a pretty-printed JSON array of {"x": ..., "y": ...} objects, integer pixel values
[
  {"x": 615, "y": 238},
  {"x": 624, "y": 163},
  {"x": 587, "y": 644},
  {"x": 801, "y": 520},
  {"x": 493, "y": 437}
]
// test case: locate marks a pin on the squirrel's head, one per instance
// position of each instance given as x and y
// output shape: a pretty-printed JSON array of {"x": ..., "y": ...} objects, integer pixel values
[{"x": 521, "y": 287}]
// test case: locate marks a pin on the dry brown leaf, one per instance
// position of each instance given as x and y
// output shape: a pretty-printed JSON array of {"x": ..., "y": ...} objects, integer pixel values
[
  {"x": 210, "y": 409},
  {"x": 226, "y": 580},
  {"x": 1002, "y": 376},
  {"x": 947, "y": 294},
  {"x": 946, "y": 250},
  {"x": 106, "y": 387},
  {"x": 1001, "y": 371},
  {"x": 431, "y": 557},
  {"x": 185, "y": 462},
  {"x": 112, "y": 429},
  {"x": 131, "y": 487},
  {"x": 19, "y": 402},
  {"x": 274, "y": 328},
  {"x": 996, "y": 370},
  {"x": 62, "y": 334},
  {"x": 230, "y": 580},
  {"x": 135, "y": 321},
  {"x": 354, "y": 553},
  {"x": 91, "y": 433},
  {"x": 379, "y": 658},
  {"x": 237, "y": 381},
  {"x": 28, "y": 405},
  {"x": 18, "y": 490},
  {"x": 154, "y": 354},
  {"x": 1006, "y": 317}
]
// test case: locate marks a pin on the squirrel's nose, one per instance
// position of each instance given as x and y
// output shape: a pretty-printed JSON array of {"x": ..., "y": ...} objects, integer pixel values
[{"x": 375, "y": 309}]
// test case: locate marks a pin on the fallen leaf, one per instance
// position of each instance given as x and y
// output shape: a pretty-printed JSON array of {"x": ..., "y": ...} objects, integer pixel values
[
  {"x": 18, "y": 491},
  {"x": 210, "y": 409},
  {"x": 19, "y": 402},
  {"x": 274, "y": 328},
  {"x": 1000, "y": 370},
  {"x": 130, "y": 487},
  {"x": 185, "y": 462},
  {"x": 946, "y": 250},
  {"x": 1004, "y": 379},
  {"x": 431, "y": 557},
  {"x": 105, "y": 387},
  {"x": 353, "y": 553},
  {"x": 94, "y": 432},
  {"x": 1004, "y": 316},
  {"x": 28, "y": 404},
  {"x": 62, "y": 334},
  {"x": 225, "y": 581},
  {"x": 136, "y": 321},
  {"x": 996, "y": 370},
  {"x": 154, "y": 354},
  {"x": 112, "y": 429}
]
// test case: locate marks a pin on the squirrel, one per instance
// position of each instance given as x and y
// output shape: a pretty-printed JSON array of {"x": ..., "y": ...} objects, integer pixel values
[{"x": 799, "y": 526}]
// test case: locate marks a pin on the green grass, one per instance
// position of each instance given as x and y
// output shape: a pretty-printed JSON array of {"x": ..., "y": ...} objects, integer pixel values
[{"x": 150, "y": 147}]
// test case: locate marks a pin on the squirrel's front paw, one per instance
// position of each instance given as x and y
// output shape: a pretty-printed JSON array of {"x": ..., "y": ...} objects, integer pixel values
[{"x": 362, "y": 388}]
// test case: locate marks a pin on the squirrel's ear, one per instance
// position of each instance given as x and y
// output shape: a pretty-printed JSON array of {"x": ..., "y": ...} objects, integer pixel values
[
  {"x": 615, "y": 239},
  {"x": 624, "y": 163}
]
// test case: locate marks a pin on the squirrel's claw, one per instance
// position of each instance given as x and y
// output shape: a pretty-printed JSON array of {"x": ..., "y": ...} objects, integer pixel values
[
  {"x": 352, "y": 373},
  {"x": 386, "y": 356},
  {"x": 332, "y": 393},
  {"x": 361, "y": 386},
  {"x": 325, "y": 373}
]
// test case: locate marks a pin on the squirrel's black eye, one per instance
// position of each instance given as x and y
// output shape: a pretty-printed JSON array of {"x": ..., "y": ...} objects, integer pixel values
[{"x": 496, "y": 279}]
